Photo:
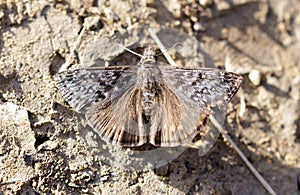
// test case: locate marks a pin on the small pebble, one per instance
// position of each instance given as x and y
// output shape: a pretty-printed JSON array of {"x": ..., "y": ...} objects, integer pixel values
[
  {"x": 223, "y": 6},
  {"x": 198, "y": 26},
  {"x": 205, "y": 3},
  {"x": 163, "y": 170},
  {"x": 48, "y": 145},
  {"x": 209, "y": 167},
  {"x": 150, "y": 3},
  {"x": 1, "y": 14},
  {"x": 92, "y": 23},
  {"x": 255, "y": 77}
]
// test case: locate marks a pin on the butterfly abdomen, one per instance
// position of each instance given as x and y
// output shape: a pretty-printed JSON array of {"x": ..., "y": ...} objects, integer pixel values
[{"x": 150, "y": 85}]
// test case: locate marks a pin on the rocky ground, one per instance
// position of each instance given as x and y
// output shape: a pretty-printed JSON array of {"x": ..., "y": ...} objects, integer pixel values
[{"x": 46, "y": 147}]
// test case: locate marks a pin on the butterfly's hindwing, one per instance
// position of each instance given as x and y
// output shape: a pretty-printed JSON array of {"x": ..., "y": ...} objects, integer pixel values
[
  {"x": 173, "y": 122},
  {"x": 122, "y": 121}
]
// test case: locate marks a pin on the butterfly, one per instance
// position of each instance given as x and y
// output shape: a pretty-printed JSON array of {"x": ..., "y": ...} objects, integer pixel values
[{"x": 147, "y": 103}]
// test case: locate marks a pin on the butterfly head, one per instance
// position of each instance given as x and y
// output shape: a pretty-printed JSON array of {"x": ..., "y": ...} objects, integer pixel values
[{"x": 148, "y": 56}]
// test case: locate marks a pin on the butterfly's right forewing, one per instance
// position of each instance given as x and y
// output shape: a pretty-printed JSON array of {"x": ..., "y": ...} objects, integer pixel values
[{"x": 203, "y": 87}]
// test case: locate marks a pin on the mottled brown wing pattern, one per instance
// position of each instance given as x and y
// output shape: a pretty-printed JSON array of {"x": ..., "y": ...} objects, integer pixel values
[
  {"x": 173, "y": 122},
  {"x": 186, "y": 101},
  {"x": 109, "y": 99},
  {"x": 121, "y": 122}
]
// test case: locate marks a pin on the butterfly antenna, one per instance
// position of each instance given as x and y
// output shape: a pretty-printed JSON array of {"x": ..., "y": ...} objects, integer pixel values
[
  {"x": 162, "y": 47},
  {"x": 129, "y": 50},
  {"x": 176, "y": 45}
]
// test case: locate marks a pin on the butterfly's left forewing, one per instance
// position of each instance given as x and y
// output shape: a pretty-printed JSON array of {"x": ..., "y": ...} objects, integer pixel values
[{"x": 83, "y": 88}]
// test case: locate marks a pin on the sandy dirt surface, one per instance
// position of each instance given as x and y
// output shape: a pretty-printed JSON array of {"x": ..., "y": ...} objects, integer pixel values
[{"x": 46, "y": 147}]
